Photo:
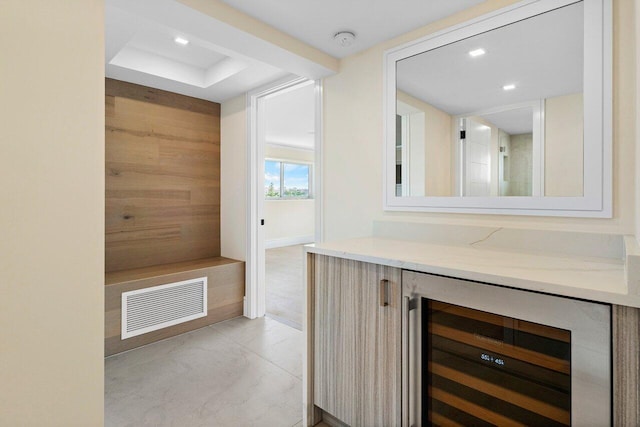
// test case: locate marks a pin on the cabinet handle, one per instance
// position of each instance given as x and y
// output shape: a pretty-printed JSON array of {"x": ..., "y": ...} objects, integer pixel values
[
  {"x": 406, "y": 362},
  {"x": 411, "y": 387},
  {"x": 384, "y": 293}
]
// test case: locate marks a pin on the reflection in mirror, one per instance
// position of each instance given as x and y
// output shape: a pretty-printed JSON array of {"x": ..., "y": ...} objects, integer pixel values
[
  {"x": 506, "y": 145},
  {"x": 497, "y": 114},
  {"x": 515, "y": 151}
]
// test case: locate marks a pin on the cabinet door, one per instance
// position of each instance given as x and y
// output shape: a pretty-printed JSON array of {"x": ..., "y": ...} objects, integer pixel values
[{"x": 357, "y": 341}]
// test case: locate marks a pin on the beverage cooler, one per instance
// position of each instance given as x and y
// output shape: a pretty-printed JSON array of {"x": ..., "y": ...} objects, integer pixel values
[{"x": 483, "y": 355}]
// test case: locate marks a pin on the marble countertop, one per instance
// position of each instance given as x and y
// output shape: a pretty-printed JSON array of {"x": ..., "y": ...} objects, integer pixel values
[{"x": 587, "y": 277}]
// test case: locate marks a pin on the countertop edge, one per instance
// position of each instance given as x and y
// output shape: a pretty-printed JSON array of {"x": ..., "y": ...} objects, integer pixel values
[{"x": 601, "y": 296}]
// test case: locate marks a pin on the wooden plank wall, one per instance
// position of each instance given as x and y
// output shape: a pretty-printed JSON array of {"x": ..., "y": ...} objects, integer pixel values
[{"x": 162, "y": 177}]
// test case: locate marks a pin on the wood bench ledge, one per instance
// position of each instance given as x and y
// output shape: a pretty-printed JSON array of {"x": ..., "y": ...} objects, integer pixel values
[
  {"x": 123, "y": 276},
  {"x": 225, "y": 295}
]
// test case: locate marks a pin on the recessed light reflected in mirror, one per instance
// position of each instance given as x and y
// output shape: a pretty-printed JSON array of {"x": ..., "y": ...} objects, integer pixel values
[
  {"x": 477, "y": 52},
  {"x": 181, "y": 41},
  {"x": 509, "y": 87}
]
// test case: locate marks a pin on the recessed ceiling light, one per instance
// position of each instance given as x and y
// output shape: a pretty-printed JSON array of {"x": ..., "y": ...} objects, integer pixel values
[
  {"x": 181, "y": 41},
  {"x": 508, "y": 87},
  {"x": 477, "y": 52}
]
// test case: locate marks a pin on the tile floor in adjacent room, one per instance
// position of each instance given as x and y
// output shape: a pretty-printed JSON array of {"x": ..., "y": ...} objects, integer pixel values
[
  {"x": 239, "y": 372},
  {"x": 285, "y": 286}
]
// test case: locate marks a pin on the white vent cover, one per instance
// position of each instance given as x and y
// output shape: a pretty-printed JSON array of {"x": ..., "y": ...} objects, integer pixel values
[{"x": 149, "y": 309}]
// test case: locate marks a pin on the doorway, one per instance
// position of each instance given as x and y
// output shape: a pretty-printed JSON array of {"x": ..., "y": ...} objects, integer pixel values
[
  {"x": 284, "y": 196},
  {"x": 477, "y": 159}
]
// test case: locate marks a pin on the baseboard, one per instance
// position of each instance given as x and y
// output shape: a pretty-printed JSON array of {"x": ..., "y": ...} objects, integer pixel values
[
  {"x": 284, "y": 321},
  {"x": 288, "y": 241}
]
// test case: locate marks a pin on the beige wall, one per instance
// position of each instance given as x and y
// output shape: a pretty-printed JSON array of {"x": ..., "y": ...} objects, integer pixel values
[
  {"x": 353, "y": 142},
  {"x": 438, "y": 146},
  {"x": 52, "y": 215},
  {"x": 289, "y": 221},
  {"x": 233, "y": 178},
  {"x": 563, "y": 145},
  {"x": 521, "y": 165},
  {"x": 280, "y": 152}
]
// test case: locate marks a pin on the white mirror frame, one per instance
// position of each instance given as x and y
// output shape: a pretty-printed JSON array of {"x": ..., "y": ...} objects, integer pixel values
[{"x": 597, "y": 198}]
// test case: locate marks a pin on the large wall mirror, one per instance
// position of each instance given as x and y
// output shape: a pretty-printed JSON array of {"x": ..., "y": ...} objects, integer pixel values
[{"x": 509, "y": 113}]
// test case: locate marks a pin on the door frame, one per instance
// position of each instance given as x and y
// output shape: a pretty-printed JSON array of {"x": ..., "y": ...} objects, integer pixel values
[{"x": 255, "y": 295}]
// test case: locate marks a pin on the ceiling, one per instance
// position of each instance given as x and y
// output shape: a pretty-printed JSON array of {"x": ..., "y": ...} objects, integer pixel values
[
  {"x": 222, "y": 61},
  {"x": 219, "y": 62},
  {"x": 290, "y": 117},
  {"x": 542, "y": 56},
  {"x": 315, "y": 22},
  {"x": 513, "y": 122}
]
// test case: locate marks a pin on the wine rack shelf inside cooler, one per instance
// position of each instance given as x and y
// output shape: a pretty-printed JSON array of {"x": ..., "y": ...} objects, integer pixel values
[{"x": 485, "y": 369}]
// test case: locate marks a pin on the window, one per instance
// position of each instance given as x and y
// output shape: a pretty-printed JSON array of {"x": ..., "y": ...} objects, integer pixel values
[
  {"x": 286, "y": 180},
  {"x": 272, "y": 188}
]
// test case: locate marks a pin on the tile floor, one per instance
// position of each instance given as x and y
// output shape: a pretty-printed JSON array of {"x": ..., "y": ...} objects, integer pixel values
[
  {"x": 236, "y": 373},
  {"x": 285, "y": 287}
]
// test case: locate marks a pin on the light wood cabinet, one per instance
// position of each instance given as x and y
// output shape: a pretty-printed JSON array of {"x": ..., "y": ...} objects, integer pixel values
[
  {"x": 356, "y": 338},
  {"x": 626, "y": 366}
]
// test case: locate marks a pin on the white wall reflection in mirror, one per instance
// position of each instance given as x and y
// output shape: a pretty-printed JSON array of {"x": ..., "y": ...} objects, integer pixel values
[{"x": 515, "y": 105}]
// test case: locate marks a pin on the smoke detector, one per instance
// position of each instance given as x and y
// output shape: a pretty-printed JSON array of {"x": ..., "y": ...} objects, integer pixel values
[{"x": 345, "y": 38}]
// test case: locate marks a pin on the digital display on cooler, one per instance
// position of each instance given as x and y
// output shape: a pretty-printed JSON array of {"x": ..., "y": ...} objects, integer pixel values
[{"x": 488, "y": 358}]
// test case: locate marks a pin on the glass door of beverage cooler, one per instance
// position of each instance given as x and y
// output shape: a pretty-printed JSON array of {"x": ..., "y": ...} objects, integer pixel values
[{"x": 484, "y": 369}]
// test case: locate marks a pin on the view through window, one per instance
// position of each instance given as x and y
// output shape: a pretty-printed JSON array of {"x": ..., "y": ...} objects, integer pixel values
[{"x": 286, "y": 180}]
